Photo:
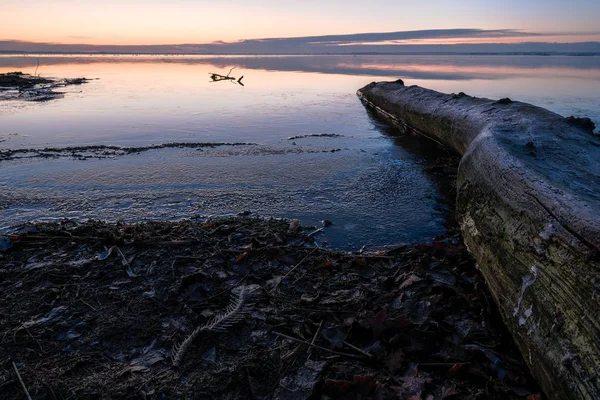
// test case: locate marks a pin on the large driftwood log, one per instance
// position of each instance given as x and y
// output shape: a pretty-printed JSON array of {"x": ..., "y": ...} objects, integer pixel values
[{"x": 529, "y": 208}]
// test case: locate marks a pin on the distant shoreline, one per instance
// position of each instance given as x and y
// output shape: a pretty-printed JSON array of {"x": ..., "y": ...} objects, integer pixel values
[{"x": 414, "y": 53}]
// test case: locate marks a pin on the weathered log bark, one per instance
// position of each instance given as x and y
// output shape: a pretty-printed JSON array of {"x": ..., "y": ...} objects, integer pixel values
[{"x": 529, "y": 208}]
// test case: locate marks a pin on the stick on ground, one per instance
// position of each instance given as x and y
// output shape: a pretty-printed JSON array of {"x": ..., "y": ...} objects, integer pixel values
[
  {"x": 21, "y": 380},
  {"x": 293, "y": 339}
]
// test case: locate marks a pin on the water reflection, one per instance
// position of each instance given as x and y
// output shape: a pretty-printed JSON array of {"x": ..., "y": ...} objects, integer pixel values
[
  {"x": 444, "y": 67},
  {"x": 316, "y": 153}
]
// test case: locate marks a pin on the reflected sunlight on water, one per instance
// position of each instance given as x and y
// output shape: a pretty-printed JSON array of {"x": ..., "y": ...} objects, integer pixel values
[{"x": 376, "y": 191}]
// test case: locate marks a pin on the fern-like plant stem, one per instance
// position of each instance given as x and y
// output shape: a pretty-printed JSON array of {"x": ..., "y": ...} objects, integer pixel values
[{"x": 240, "y": 304}]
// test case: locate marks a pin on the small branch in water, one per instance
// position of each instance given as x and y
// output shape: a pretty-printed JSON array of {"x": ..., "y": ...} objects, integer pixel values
[{"x": 218, "y": 77}]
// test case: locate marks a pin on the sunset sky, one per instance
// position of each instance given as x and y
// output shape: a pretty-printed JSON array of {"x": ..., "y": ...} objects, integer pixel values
[{"x": 201, "y": 21}]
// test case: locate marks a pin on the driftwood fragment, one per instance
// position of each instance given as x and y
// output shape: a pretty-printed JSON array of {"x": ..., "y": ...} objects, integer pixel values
[{"x": 218, "y": 77}]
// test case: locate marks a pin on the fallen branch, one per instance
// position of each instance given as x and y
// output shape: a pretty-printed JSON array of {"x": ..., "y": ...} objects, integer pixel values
[{"x": 218, "y": 77}]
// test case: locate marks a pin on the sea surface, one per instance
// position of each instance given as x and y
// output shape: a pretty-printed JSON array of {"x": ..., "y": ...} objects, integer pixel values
[{"x": 294, "y": 141}]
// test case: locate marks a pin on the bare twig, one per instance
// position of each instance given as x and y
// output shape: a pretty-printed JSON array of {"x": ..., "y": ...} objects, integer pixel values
[
  {"x": 89, "y": 305},
  {"x": 49, "y": 390},
  {"x": 21, "y": 380},
  {"x": 227, "y": 289},
  {"x": 313, "y": 233},
  {"x": 442, "y": 365},
  {"x": 294, "y": 268},
  {"x": 293, "y": 339},
  {"x": 317, "y": 332},
  {"x": 314, "y": 339},
  {"x": 302, "y": 346},
  {"x": 35, "y": 340},
  {"x": 353, "y": 347},
  {"x": 173, "y": 267},
  {"x": 190, "y": 258}
]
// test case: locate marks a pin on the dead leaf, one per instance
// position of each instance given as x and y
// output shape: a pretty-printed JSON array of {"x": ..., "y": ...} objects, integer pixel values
[
  {"x": 456, "y": 367},
  {"x": 241, "y": 257},
  {"x": 359, "y": 263},
  {"x": 536, "y": 396},
  {"x": 411, "y": 280},
  {"x": 394, "y": 361},
  {"x": 303, "y": 383},
  {"x": 326, "y": 265},
  {"x": 341, "y": 387}
]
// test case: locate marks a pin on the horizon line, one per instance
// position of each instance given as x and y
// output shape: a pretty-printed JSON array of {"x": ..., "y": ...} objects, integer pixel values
[{"x": 436, "y": 41}]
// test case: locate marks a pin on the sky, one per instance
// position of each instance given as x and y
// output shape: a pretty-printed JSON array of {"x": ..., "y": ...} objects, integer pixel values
[{"x": 153, "y": 22}]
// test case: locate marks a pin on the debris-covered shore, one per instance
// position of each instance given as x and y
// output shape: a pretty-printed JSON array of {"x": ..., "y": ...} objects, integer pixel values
[
  {"x": 20, "y": 86},
  {"x": 247, "y": 308}
]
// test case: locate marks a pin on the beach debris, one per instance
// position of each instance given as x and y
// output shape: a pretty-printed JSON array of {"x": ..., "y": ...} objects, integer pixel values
[
  {"x": 19, "y": 80},
  {"x": 107, "y": 151},
  {"x": 327, "y": 135},
  {"x": 20, "y": 86},
  {"x": 106, "y": 253},
  {"x": 76, "y": 81},
  {"x": 21, "y": 235},
  {"x": 315, "y": 232},
  {"x": 302, "y": 384},
  {"x": 219, "y": 78},
  {"x": 51, "y": 317},
  {"x": 294, "y": 225},
  {"x": 290, "y": 319},
  {"x": 584, "y": 123}
]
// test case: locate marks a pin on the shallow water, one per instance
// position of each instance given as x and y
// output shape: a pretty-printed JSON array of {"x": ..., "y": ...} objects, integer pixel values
[{"x": 313, "y": 150}]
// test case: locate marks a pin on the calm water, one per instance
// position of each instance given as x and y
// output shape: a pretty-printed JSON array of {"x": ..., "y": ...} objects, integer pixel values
[{"x": 372, "y": 185}]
